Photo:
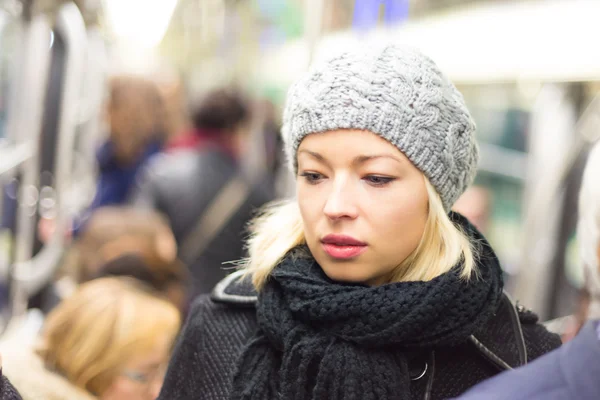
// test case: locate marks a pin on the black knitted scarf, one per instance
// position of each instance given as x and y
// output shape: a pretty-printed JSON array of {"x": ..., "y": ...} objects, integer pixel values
[{"x": 320, "y": 339}]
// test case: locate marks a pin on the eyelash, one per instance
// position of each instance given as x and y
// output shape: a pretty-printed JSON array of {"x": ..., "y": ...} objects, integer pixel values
[
  {"x": 311, "y": 177},
  {"x": 314, "y": 178},
  {"x": 378, "y": 181}
]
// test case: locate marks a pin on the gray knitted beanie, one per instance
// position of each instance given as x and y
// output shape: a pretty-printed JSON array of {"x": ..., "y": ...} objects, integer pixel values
[{"x": 398, "y": 94}]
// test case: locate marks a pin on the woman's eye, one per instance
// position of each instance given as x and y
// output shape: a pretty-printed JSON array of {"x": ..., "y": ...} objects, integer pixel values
[
  {"x": 312, "y": 177},
  {"x": 378, "y": 180}
]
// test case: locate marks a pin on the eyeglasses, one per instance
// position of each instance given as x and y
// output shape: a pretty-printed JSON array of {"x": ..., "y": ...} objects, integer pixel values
[{"x": 146, "y": 378}]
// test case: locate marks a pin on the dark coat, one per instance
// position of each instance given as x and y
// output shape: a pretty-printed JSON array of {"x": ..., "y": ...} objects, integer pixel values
[
  {"x": 571, "y": 372},
  {"x": 7, "y": 391},
  {"x": 115, "y": 181},
  {"x": 181, "y": 185},
  {"x": 218, "y": 326}
]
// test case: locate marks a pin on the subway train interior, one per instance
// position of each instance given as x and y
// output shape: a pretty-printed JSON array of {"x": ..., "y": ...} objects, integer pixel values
[{"x": 532, "y": 90}]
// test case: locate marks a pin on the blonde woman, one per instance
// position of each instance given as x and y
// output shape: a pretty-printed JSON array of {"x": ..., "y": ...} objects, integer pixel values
[
  {"x": 110, "y": 341},
  {"x": 367, "y": 286}
]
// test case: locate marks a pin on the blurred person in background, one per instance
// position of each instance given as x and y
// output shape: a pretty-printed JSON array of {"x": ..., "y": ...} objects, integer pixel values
[
  {"x": 126, "y": 241},
  {"x": 271, "y": 127},
  {"x": 177, "y": 120},
  {"x": 366, "y": 286},
  {"x": 110, "y": 340},
  {"x": 476, "y": 205},
  {"x": 169, "y": 283},
  {"x": 573, "y": 371},
  {"x": 135, "y": 118},
  {"x": 200, "y": 188}
]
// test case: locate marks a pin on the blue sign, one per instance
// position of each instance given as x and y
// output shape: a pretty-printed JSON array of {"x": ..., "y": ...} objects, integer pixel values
[{"x": 366, "y": 12}]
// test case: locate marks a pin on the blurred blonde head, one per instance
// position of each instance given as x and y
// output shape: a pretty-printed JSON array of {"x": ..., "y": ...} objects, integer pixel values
[
  {"x": 588, "y": 230},
  {"x": 136, "y": 115},
  {"x": 91, "y": 336}
]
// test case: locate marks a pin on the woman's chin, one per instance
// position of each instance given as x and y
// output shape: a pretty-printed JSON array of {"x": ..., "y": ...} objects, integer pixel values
[{"x": 346, "y": 274}]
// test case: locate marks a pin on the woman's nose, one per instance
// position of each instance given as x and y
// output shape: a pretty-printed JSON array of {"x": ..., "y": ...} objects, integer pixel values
[{"x": 341, "y": 203}]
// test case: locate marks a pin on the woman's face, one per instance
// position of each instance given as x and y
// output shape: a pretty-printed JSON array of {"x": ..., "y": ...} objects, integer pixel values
[
  {"x": 363, "y": 203},
  {"x": 142, "y": 377}
]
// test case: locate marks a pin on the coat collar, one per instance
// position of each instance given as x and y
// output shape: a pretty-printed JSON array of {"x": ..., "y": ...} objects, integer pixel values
[
  {"x": 236, "y": 289},
  {"x": 501, "y": 340}
]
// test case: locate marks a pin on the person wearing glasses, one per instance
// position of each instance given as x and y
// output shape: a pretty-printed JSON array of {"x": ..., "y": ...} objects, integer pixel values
[{"x": 110, "y": 340}]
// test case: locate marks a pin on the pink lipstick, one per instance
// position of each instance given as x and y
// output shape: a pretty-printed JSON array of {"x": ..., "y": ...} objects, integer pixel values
[{"x": 343, "y": 247}]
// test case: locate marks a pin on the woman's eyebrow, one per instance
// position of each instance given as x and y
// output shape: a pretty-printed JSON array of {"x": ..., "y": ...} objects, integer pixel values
[
  {"x": 313, "y": 154},
  {"x": 356, "y": 161},
  {"x": 365, "y": 158}
]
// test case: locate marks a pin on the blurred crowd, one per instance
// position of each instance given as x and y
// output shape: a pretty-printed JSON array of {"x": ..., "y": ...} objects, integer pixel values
[{"x": 172, "y": 201}]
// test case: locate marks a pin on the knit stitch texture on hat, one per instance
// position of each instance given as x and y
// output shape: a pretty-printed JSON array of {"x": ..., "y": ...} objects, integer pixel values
[{"x": 398, "y": 94}]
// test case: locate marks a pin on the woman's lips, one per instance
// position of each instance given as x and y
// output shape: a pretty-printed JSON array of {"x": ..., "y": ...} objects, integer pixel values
[
  {"x": 343, "y": 252},
  {"x": 343, "y": 247}
]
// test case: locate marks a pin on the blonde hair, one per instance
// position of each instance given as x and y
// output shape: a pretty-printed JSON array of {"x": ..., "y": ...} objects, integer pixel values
[
  {"x": 443, "y": 244},
  {"x": 90, "y": 336}
]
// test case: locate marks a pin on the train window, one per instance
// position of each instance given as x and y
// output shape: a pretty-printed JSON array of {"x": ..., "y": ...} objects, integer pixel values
[
  {"x": 9, "y": 35},
  {"x": 8, "y": 203},
  {"x": 9, "y": 47}
]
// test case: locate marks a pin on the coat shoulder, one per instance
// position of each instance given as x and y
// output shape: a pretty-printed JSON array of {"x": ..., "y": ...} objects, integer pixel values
[
  {"x": 538, "y": 339},
  {"x": 211, "y": 340},
  {"x": 514, "y": 336}
]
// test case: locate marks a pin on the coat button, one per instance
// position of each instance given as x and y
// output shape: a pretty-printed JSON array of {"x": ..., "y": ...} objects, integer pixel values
[{"x": 419, "y": 375}]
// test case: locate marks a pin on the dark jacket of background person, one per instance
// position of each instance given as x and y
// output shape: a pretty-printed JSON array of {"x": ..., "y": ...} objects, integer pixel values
[
  {"x": 571, "y": 372},
  {"x": 205, "y": 356},
  {"x": 135, "y": 115},
  {"x": 182, "y": 185},
  {"x": 116, "y": 180}
]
